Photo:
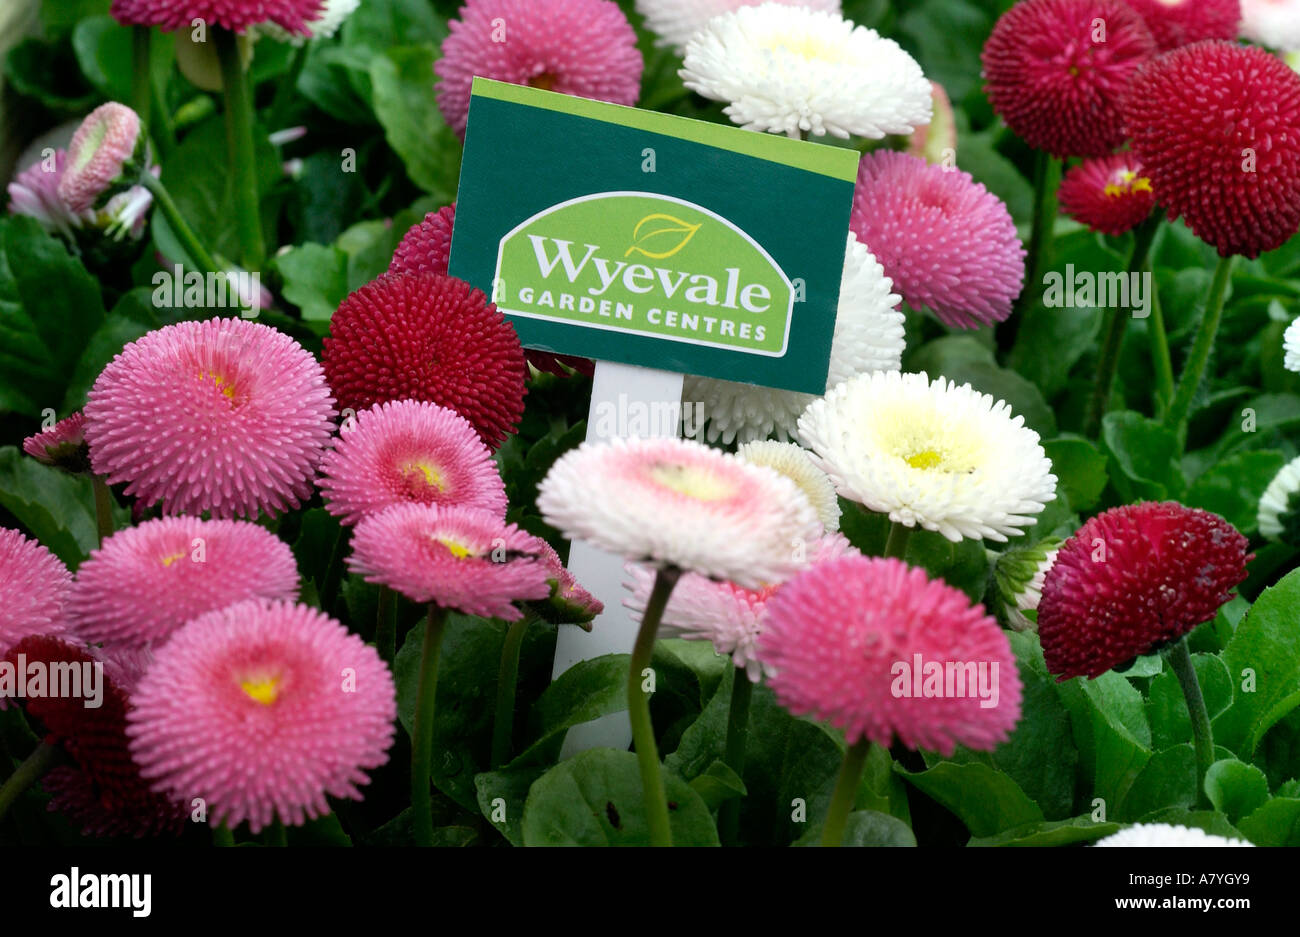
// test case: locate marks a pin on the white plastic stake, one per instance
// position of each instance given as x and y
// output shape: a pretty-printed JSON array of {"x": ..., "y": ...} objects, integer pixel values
[{"x": 626, "y": 401}]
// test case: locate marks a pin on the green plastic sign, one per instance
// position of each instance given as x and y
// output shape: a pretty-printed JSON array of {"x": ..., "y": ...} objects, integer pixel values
[{"x": 625, "y": 235}]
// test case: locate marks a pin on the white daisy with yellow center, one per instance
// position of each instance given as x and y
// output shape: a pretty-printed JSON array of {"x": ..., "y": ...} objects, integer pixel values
[
  {"x": 930, "y": 454},
  {"x": 675, "y": 21},
  {"x": 793, "y": 462},
  {"x": 792, "y": 70}
]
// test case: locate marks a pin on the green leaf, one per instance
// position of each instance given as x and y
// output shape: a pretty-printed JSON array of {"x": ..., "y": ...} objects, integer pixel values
[
  {"x": 1232, "y": 488},
  {"x": 381, "y": 24},
  {"x": 963, "y": 565},
  {"x": 315, "y": 279},
  {"x": 1168, "y": 779},
  {"x": 59, "y": 16},
  {"x": 1050, "y": 833},
  {"x": 1167, "y": 708},
  {"x": 977, "y": 156},
  {"x": 1263, "y": 660},
  {"x": 503, "y": 793},
  {"x": 1111, "y": 731},
  {"x": 865, "y": 828},
  {"x": 984, "y": 799},
  {"x": 586, "y": 691},
  {"x": 116, "y": 332},
  {"x": 718, "y": 784},
  {"x": 1276, "y": 823},
  {"x": 1142, "y": 462},
  {"x": 104, "y": 51},
  {"x": 1211, "y": 821},
  {"x": 49, "y": 304},
  {"x": 413, "y": 126},
  {"x": 48, "y": 72},
  {"x": 596, "y": 799},
  {"x": 1235, "y": 788},
  {"x": 56, "y": 508},
  {"x": 1080, "y": 468}
]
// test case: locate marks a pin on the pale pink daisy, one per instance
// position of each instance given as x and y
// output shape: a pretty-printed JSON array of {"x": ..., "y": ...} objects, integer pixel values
[
  {"x": 34, "y": 587},
  {"x": 102, "y": 155}
]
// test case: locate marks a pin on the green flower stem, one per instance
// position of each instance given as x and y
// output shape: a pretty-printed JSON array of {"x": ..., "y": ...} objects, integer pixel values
[
  {"x": 287, "y": 90},
  {"x": 276, "y": 835},
  {"x": 638, "y": 709},
  {"x": 103, "y": 508},
  {"x": 141, "y": 72},
  {"x": 1116, "y": 321},
  {"x": 742, "y": 690},
  {"x": 1194, "y": 369},
  {"x": 386, "y": 625},
  {"x": 896, "y": 545},
  {"x": 1047, "y": 175},
  {"x": 1180, "y": 658},
  {"x": 1161, "y": 363},
  {"x": 27, "y": 774},
  {"x": 503, "y": 723},
  {"x": 180, "y": 227},
  {"x": 243, "y": 156},
  {"x": 422, "y": 744},
  {"x": 846, "y": 791},
  {"x": 221, "y": 835}
]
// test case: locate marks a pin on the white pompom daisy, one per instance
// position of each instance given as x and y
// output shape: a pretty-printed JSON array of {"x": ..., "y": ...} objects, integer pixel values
[
  {"x": 793, "y": 462},
  {"x": 332, "y": 15},
  {"x": 672, "y": 502},
  {"x": 868, "y": 337},
  {"x": 930, "y": 454},
  {"x": 675, "y": 21},
  {"x": 1272, "y": 23},
  {"x": 789, "y": 70},
  {"x": 1165, "y": 834},
  {"x": 1279, "y": 507},
  {"x": 1291, "y": 346}
]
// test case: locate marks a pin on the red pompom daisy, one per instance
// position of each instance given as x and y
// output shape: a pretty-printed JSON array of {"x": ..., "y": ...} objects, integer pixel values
[
  {"x": 237, "y": 15},
  {"x": 34, "y": 586},
  {"x": 99, "y": 156},
  {"x": 263, "y": 709},
  {"x": 1055, "y": 71},
  {"x": 946, "y": 242},
  {"x": 1176, "y": 23},
  {"x": 1217, "y": 128},
  {"x": 101, "y": 791},
  {"x": 426, "y": 247},
  {"x": 145, "y": 582},
  {"x": 856, "y": 642},
  {"x": 227, "y": 416},
  {"x": 1133, "y": 578},
  {"x": 1109, "y": 194},
  {"x": 581, "y": 47},
  {"x": 63, "y": 445},
  {"x": 425, "y": 337},
  {"x": 408, "y": 450},
  {"x": 460, "y": 558}
]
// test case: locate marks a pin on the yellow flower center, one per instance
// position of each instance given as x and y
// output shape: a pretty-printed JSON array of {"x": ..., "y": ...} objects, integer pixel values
[
  {"x": 264, "y": 690},
  {"x": 1126, "y": 182},
  {"x": 168, "y": 560},
  {"x": 926, "y": 459},
  {"x": 225, "y": 386},
  {"x": 415, "y": 471},
  {"x": 691, "y": 481},
  {"x": 455, "y": 547},
  {"x": 809, "y": 48}
]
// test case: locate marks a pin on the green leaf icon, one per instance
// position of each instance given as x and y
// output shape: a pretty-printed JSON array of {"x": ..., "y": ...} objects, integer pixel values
[{"x": 661, "y": 231}]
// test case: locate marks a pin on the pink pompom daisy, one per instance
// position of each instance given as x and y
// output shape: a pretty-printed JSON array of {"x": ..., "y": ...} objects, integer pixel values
[
  {"x": 569, "y": 603},
  {"x": 145, "y": 582},
  {"x": 722, "y": 612},
  {"x": 409, "y": 450},
  {"x": 948, "y": 244},
  {"x": 227, "y": 416},
  {"x": 1176, "y": 23},
  {"x": 101, "y": 155},
  {"x": 34, "y": 586},
  {"x": 168, "y": 15},
  {"x": 581, "y": 47},
  {"x": 458, "y": 557},
  {"x": 426, "y": 247},
  {"x": 1107, "y": 193},
  {"x": 1055, "y": 70},
  {"x": 263, "y": 709},
  {"x": 874, "y": 647},
  {"x": 63, "y": 445}
]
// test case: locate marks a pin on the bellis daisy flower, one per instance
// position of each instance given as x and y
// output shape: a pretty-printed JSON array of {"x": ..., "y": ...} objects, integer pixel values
[
  {"x": 1291, "y": 346},
  {"x": 675, "y": 21},
  {"x": 332, "y": 15},
  {"x": 34, "y": 586},
  {"x": 426, "y": 246},
  {"x": 1176, "y": 23},
  {"x": 1165, "y": 834},
  {"x": 1272, "y": 23},
  {"x": 851, "y": 642},
  {"x": 868, "y": 337},
  {"x": 408, "y": 450},
  {"x": 263, "y": 709},
  {"x": 792, "y": 461},
  {"x": 63, "y": 445},
  {"x": 671, "y": 502},
  {"x": 1018, "y": 575},
  {"x": 107, "y": 154},
  {"x": 456, "y": 557},
  {"x": 235, "y": 15},
  {"x": 1226, "y": 158},
  {"x": 1133, "y": 578},
  {"x": 585, "y": 48},
  {"x": 144, "y": 582},
  {"x": 1109, "y": 194},
  {"x": 569, "y": 603},
  {"x": 34, "y": 192},
  {"x": 930, "y": 454},
  {"x": 1279, "y": 507},
  {"x": 432, "y": 338},
  {"x": 946, "y": 242},
  {"x": 1055, "y": 70},
  {"x": 721, "y": 612},
  {"x": 227, "y": 416},
  {"x": 793, "y": 70}
]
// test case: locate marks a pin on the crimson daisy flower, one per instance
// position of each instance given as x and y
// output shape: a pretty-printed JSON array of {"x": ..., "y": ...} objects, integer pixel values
[
  {"x": 1109, "y": 194},
  {"x": 238, "y": 15},
  {"x": 1176, "y": 23}
]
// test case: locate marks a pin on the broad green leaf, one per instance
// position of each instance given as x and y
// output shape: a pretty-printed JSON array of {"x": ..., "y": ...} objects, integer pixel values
[
  {"x": 1276, "y": 823},
  {"x": 1235, "y": 788},
  {"x": 586, "y": 691},
  {"x": 596, "y": 799},
  {"x": 1233, "y": 487},
  {"x": 717, "y": 784},
  {"x": 1168, "y": 779},
  {"x": 1167, "y": 708},
  {"x": 865, "y": 828},
  {"x": 1111, "y": 731},
  {"x": 1211, "y": 821},
  {"x": 413, "y": 126},
  {"x": 984, "y": 799},
  {"x": 1142, "y": 457},
  {"x": 315, "y": 279},
  {"x": 56, "y": 508},
  {"x": 115, "y": 333},
  {"x": 1080, "y": 468},
  {"x": 104, "y": 51},
  {"x": 501, "y": 797},
  {"x": 47, "y": 72},
  {"x": 1050, "y": 833}
]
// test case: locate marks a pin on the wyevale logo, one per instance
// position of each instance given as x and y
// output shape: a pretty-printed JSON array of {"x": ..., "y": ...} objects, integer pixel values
[{"x": 649, "y": 264}]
